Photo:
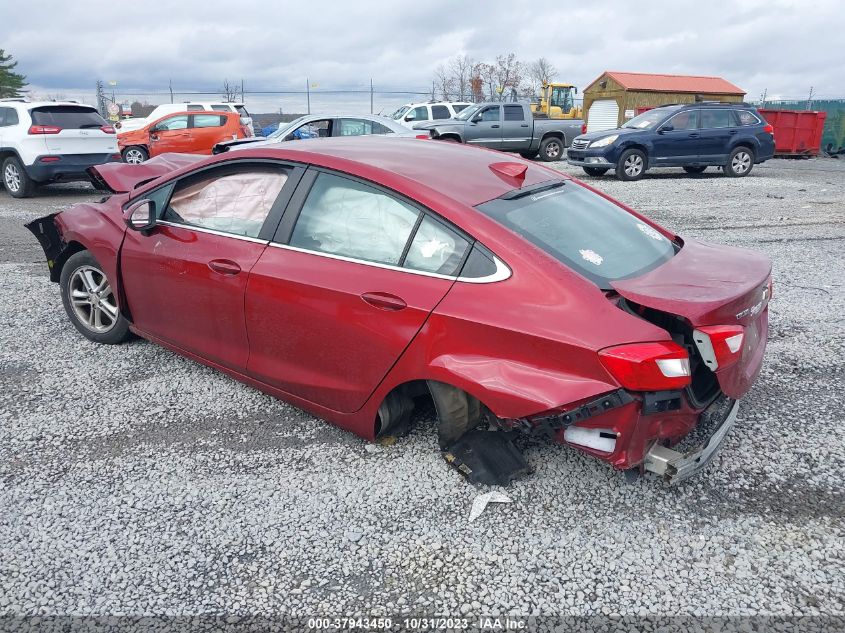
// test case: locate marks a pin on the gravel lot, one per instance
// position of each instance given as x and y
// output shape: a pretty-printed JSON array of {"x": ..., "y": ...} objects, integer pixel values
[{"x": 135, "y": 482}]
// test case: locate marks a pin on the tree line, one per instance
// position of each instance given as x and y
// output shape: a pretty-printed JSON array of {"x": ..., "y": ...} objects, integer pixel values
[{"x": 506, "y": 78}]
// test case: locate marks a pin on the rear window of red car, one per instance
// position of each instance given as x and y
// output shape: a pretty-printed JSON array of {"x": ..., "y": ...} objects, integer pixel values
[{"x": 584, "y": 231}]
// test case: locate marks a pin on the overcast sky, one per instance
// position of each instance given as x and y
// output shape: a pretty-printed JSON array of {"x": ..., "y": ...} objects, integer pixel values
[{"x": 65, "y": 46}]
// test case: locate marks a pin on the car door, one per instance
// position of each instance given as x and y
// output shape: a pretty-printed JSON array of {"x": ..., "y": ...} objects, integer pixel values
[
  {"x": 516, "y": 130},
  {"x": 205, "y": 131},
  {"x": 718, "y": 127},
  {"x": 170, "y": 135},
  {"x": 677, "y": 141},
  {"x": 184, "y": 280},
  {"x": 485, "y": 128},
  {"x": 346, "y": 284}
]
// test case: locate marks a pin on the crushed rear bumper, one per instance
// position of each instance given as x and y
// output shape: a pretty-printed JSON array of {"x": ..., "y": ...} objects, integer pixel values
[{"x": 676, "y": 466}]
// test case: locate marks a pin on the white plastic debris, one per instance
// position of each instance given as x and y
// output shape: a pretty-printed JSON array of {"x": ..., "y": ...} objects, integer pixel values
[{"x": 481, "y": 501}]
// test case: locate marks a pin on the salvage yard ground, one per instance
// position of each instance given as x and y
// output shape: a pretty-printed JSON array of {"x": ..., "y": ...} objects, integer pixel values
[{"x": 133, "y": 481}]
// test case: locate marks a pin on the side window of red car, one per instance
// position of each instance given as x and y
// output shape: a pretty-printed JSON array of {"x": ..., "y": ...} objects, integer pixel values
[
  {"x": 227, "y": 200},
  {"x": 436, "y": 248},
  {"x": 348, "y": 218}
]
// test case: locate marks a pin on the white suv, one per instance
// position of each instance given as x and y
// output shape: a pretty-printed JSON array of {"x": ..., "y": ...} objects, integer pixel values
[
  {"x": 412, "y": 113},
  {"x": 127, "y": 125},
  {"x": 49, "y": 141}
]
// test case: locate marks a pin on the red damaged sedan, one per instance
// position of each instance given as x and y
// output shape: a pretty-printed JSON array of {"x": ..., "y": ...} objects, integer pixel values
[{"x": 354, "y": 277}]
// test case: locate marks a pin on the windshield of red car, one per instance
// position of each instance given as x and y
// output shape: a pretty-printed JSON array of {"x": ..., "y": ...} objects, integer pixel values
[{"x": 584, "y": 231}]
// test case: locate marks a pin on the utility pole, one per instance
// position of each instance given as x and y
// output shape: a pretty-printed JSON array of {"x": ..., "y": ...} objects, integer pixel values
[
  {"x": 371, "y": 95},
  {"x": 170, "y": 84},
  {"x": 243, "y": 98},
  {"x": 810, "y": 99},
  {"x": 308, "y": 94}
]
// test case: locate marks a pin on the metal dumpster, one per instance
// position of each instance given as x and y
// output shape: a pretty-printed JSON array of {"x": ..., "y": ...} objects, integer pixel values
[{"x": 797, "y": 132}]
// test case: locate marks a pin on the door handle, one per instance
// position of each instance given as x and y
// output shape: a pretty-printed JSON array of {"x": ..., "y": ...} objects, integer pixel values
[
  {"x": 524, "y": 125},
  {"x": 384, "y": 301},
  {"x": 732, "y": 132},
  {"x": 495, "y": 125},
  {"x": 224, "y": 266},
  {"x": 694, "y": 135}
]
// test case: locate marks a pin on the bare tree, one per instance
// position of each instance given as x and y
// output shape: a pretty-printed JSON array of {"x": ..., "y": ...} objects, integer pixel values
[
  {"x": 541, "y": 72},
  {"x": 507, "y": 75},
  {"x": 444, "y": 82},
  {"x": 487, "y": 74},
  {"x": 229, "y": 91},
  {"x": 462, "y": 68}
]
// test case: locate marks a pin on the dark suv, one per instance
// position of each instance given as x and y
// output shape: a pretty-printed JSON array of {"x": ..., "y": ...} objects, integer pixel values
[{"x": 694, "y": 136}]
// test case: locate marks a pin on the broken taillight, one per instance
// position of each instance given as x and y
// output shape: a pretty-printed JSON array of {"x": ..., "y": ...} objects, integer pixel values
[
  {"x": 719, "y": 345},
  {"x": 648, "y": 366}
]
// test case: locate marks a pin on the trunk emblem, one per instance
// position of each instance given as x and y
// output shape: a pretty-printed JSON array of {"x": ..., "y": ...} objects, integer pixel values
[{"x": 757, "y": 307}]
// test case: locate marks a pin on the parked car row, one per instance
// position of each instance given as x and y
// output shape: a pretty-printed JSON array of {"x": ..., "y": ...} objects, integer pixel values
[{"x": 50, "y": 141}]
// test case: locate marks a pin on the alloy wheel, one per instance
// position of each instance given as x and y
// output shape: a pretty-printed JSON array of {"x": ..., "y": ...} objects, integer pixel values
[
  {"x": 553, "y": 150},
  {"x": 92, "y": 299},
  {"x": 741, "y": 162},
  {"x": 633, "y": 165},
  {"x": 134, "y": 156},
  {"x": 12, "y": 177}
]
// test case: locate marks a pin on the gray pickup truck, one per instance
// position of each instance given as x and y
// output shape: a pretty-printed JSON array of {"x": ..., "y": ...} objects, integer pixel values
[{"x": 510, "y": 127}]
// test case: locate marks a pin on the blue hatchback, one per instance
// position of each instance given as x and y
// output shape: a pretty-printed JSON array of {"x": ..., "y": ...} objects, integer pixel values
[{"x": 694, "y": 136}]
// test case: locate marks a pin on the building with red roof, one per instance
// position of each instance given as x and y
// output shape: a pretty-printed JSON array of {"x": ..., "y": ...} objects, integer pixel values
[{"x": 614, "y": 97}]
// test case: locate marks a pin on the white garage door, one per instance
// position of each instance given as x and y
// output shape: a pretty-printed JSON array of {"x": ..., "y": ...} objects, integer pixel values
[{"x": 603, "y": 115}]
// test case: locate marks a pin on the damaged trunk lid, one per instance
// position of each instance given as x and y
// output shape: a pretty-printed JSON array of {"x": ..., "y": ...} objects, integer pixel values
[
  {"x": 124, "y": 177},
  {"x": 713, "y": 285}
]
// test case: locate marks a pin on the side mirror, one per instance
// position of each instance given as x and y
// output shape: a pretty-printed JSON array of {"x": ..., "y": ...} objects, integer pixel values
[
  {"x": 140, "y": 216},
  {"x": 476, "y": 118},
  {"x": 411, "y": 117},
  {"x": 666, "y": 128}
]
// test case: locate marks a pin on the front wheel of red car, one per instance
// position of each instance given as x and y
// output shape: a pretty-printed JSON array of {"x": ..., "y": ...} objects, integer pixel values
[
  {"x": 135, "y": 155},
  {"x": 90, "y": 301}
]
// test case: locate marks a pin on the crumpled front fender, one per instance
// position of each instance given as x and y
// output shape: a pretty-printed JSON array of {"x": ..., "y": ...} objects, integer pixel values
[{"x": 46, "y": 231}]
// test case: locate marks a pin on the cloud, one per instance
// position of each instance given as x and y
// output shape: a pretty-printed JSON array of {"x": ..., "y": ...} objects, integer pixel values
[{"x": 778, "y": 45}]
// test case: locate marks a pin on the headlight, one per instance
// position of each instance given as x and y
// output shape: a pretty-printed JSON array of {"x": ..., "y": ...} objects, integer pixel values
[{"x": 604, "y": 142}]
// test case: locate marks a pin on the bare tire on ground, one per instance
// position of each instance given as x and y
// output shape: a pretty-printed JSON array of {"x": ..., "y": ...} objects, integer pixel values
[
  {"x": 740, "y": 162},
  {"x": 631, "y": 165},
  {"x": 15, "y": 179},
  {"x": 551, "y": 149},
  {"x": 90, "y": 301}
]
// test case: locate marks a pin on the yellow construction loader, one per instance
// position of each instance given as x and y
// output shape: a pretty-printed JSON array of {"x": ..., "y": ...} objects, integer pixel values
[{"x": 557, "y": 101}]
